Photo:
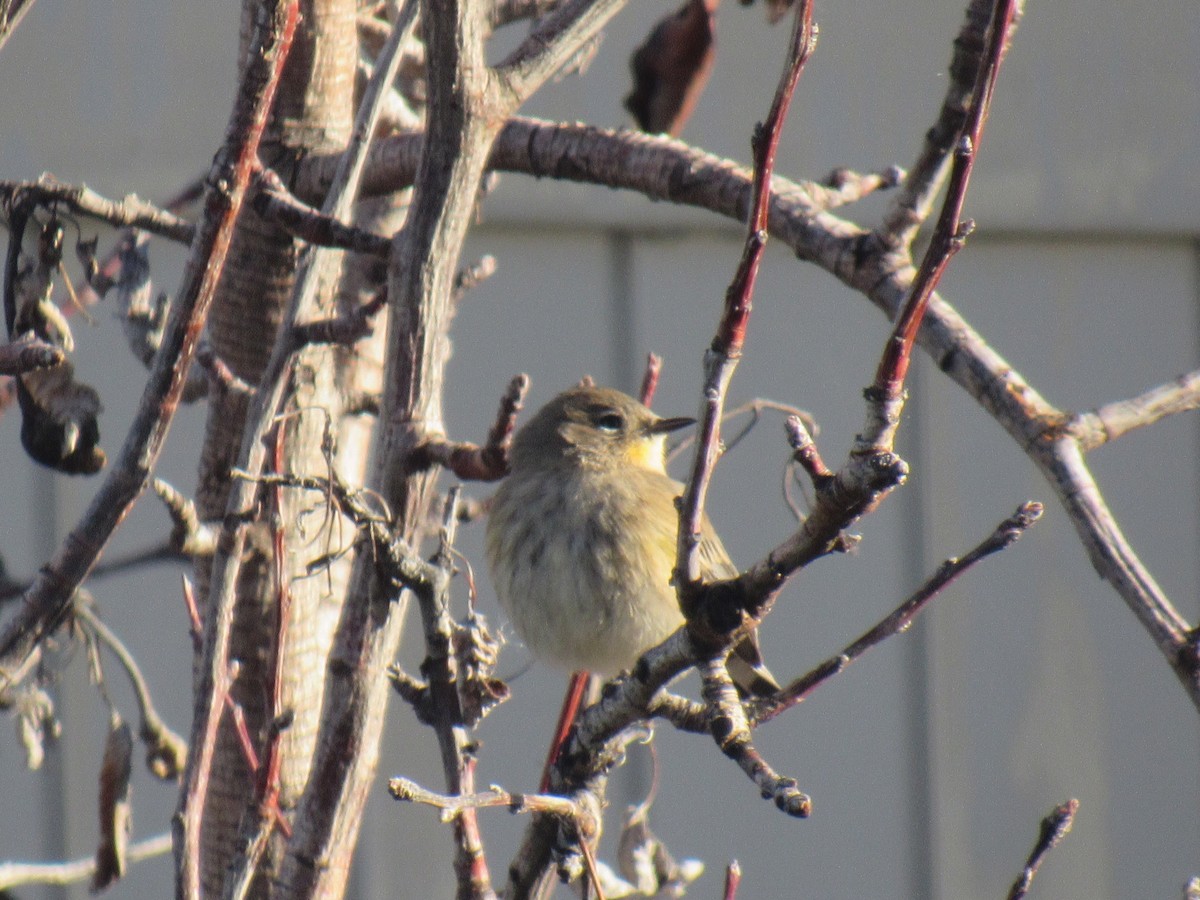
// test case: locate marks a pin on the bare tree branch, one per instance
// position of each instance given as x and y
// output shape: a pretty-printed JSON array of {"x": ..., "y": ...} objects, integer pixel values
[
  {"x": 555, "y": 38},
  {"x": 128, "y": 212},
  {"x": 951, "y": 231},
  {"x": 11, "y": 14},
  {"x": 667, "y": 169},
  {"x": 472, "y": 462},
  {"x": 467, "y": 106},
  {"x": 730, "y": 728}
]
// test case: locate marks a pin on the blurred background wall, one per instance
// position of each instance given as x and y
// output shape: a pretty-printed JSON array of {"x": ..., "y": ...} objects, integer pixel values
[{"x": 931, "y": 761}]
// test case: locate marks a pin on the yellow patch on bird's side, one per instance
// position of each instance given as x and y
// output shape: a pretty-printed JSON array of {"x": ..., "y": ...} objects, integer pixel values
[{"x": 648, "y": 453}]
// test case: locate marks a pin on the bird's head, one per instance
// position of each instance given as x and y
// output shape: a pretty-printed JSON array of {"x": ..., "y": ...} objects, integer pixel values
[{"x": 596, "y": 428}]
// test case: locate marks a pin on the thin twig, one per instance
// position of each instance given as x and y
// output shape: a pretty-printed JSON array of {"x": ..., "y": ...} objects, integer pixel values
[
  {"x": 220, "y": 376},
  {"x": 912, "y": 204},
  {"x": 454, "y": 805},
  {"x": 722, "y": 358},
  {"x": 731, "y": 730},
  {"x": 16, "y": 874},
  {"x": 346, "y": 329},
  {"x": 128, "y": 212},
  {"x": 650, "y": 379},
  {"x": 441, "y": 670},
  {"x": 276, "y": 203},
  {"x": 189, "y": 536},
  {"x": 898, "y": 621},
  {"x": 1054, "y": 827},
  {"x": 165, "y": 750},
  {"x": 553, "y": 40},
  {"x": 473, "y": 462},
  {"x": 733, "y": 880},
  {"x": 1112, "y": 420},
  {"x": 753, "y": 409},
  {"x": 398, "y": 562},
  {"x": 844, "y": 186},
  {"x": 805, "y": 452},
  {"x": 256, "y": 830},
  {"x": 951, "y": 231}
]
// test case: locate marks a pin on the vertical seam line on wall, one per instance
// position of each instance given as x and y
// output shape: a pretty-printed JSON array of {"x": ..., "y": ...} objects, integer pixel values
[{"x": 622, "y": 330}]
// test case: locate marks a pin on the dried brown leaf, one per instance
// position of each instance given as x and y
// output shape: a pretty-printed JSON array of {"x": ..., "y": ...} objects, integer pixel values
[
  {"x": 60, "y": 425},
  {"x": 672, "y": 67},
  {"x": 477, "y": 651},
  {"x": 116, "y": 811},
  {"x": 36, "y": 722}
]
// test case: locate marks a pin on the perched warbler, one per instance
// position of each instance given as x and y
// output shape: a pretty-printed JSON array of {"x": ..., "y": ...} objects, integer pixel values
[{"x": 581, "y": 537}]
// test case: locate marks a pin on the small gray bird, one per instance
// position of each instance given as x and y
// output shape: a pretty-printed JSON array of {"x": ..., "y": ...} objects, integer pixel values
[{"x": 581, "y": 538}]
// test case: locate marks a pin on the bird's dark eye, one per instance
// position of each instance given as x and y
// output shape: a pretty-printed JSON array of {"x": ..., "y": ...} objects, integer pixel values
[{"x": 610, "y": 421}]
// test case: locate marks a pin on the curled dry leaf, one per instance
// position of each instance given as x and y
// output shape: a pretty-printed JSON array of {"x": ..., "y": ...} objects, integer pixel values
[
  {"x": 166, "y": 753},
  {"x": 478, "y": 690},
  {"x": 116, "y": 811},
  {"x": 143, "y": 318},
  {"x": 34, "y": 710},
  {"x": 144, "y": 314},
  {"x": 672, "y": 67},
  {"x": 59, "y": 415},
  {"x": 36, "y": 310},
  {"x": 60, "y": 425}
]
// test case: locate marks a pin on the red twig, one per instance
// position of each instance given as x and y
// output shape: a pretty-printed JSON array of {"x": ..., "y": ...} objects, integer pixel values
[
  {"x": 268, "y": 784},
  {"x": 576, "y": 689},
  {"x": 733, "y": 880},
  {"x": 951, "y": 231},
  {"x": 473, "y": 462},
  {"x": 726, "y": 349},
  {"x": 804, "y": 451},
  {"x": 249, "y": 754},
  {"x": 650, "y": 379}
]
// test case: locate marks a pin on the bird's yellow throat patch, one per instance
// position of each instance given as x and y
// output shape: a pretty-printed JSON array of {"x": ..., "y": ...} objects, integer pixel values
[{"x": 647, "y": 453}]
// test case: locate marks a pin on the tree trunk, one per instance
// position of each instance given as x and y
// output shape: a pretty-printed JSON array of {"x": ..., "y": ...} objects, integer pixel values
[{"x": 314, "y": 112}]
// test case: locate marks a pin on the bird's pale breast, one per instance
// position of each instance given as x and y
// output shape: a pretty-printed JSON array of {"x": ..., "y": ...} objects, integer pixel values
[{"x": 582, "y": 567}]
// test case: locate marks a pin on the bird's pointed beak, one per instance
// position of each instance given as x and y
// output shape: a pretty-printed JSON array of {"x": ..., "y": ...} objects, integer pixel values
[{"x": 665, "y": 426}]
